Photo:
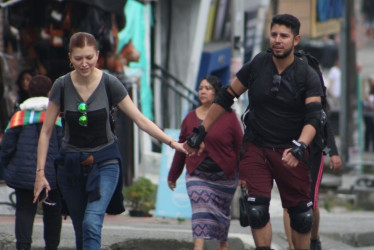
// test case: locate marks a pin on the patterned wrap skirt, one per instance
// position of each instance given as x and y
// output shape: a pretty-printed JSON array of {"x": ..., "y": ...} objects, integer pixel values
[{"x": 211, "y": 195}]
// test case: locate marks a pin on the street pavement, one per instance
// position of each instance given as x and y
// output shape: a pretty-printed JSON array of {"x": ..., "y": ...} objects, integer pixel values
[{"x": 340, "y": 228}]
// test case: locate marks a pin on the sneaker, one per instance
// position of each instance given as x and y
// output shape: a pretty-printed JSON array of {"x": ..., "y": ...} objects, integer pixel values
[{"x": 315, "y": 244}]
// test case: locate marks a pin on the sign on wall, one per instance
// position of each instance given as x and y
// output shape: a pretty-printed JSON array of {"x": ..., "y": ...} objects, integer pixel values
[{"x": 172, "y": 204}]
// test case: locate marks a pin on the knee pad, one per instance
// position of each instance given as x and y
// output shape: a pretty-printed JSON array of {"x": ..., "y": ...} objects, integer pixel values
[
  {"x": 258, "y": 211},
  {"x": 302, "y": 217}
]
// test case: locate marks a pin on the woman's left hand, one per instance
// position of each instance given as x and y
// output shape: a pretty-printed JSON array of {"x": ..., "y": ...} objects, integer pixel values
[{"x": 40, "y": 183}]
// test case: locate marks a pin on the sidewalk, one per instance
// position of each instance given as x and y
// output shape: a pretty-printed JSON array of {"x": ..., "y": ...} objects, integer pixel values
[{"x": 339, "y": 229}]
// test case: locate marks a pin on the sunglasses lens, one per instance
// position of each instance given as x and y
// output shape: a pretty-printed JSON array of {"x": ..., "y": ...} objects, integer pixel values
[
  {"x": 82, "y": 107},
  {"x": 83, "y": 120}
]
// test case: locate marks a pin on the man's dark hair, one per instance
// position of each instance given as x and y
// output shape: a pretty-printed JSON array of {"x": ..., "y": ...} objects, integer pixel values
[{"x": 288, "y": 20}]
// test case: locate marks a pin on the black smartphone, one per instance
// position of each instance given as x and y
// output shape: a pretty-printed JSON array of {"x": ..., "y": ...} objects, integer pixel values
[{"x": 43, "y": 195}]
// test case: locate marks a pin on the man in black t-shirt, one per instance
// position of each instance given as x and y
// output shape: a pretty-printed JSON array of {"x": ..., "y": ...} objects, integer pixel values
[{"x": 285, "y": 115}]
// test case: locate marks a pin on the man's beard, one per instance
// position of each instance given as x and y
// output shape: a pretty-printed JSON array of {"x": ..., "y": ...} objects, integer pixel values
[{"x": 284, "y": 55}]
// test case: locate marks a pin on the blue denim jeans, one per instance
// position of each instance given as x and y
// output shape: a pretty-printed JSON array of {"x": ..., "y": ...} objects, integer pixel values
[{"x": 87, "y": 217}]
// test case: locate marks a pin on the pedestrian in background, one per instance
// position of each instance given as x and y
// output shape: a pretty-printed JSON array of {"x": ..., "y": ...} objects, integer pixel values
[
  {"x": 316, "y": 163},
  {"x": 89, "y": 165},
  {"x": 367, "y": 9},
  {"x": 334, "y": 86},
  {"x": 19, "y": 153},
  {"x": 22, "y": 83},
  {"x": 212, "y": 177},
  {"x": 282, "y": 121},
  {"x": 368, "y": 115}
]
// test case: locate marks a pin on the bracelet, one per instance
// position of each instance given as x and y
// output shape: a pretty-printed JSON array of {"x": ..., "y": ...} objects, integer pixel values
[{"x": 39, "y": 169}]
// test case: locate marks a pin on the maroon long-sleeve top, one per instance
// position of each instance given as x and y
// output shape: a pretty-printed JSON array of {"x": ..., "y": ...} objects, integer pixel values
[{"x": 222, "y": 144}]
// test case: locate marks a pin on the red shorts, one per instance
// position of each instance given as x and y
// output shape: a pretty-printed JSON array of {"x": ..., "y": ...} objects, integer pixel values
[{"x": 260, "y": 166}]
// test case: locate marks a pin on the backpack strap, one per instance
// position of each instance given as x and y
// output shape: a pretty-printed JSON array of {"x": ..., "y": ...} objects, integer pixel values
[
  {"x": 257, "y": 64},
  {"x": 62, "y": 95},
  {"x": 112, "y": 108},
  {"x": 107, "y": 89}
]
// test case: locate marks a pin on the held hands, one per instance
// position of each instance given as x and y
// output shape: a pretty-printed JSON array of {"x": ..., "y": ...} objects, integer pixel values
[
  {"x": 195, "y": 141},
  {"x": 177, "y": 146},
  {"x": 192, "y": 151},
  {"x": 40, "y": 183}
]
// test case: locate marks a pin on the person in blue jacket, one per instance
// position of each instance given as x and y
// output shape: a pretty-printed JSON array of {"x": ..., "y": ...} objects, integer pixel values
[{"x": 19, "y": 154}]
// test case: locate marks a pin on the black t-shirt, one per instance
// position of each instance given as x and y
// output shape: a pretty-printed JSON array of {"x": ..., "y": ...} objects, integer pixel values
[{"x": 277, "y": 119}]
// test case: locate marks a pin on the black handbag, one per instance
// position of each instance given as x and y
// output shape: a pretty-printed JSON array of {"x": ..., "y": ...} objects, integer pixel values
[{"x": 244, "y": 208}]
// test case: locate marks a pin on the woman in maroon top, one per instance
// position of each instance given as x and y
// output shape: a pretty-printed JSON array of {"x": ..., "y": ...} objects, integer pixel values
[{"x": 212, "y": 176}]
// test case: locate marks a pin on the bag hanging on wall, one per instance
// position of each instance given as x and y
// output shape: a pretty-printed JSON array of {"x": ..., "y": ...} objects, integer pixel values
[{"x": 244, "y": 208}]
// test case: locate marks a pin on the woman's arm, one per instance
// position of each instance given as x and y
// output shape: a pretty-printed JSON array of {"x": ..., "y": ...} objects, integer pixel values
[
  {"x": 129, "y": 108},
  {"x": 41, "y": 182}
]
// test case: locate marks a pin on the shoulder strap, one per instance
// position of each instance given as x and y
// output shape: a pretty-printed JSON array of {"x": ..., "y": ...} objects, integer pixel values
[
  {"x": 301, "y": 74},
  {"x": 62, "y": 95},
  {"x": 257, "y": 63},
  {"x": 107, "y": 89},
  {"x": 112, "y": 108}
]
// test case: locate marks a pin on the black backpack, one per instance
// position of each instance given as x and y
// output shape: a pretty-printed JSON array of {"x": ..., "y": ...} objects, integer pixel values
[{"x": 321, "y": 137}]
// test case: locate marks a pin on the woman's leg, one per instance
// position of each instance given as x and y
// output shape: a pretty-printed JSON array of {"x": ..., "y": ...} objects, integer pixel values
[
  {"x": 95, "y": 211},
  {"x": 223, "y": 246},
  {"x": 198, "y": 244},
  {"x": 73, "y": 191}
]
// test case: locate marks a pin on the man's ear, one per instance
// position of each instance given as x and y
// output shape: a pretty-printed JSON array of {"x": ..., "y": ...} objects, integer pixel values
[{"x": 297, "y": 40}]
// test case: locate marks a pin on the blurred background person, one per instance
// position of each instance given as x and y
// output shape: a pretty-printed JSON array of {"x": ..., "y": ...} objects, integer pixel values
[
  {"x": 22, "y": 83},
  {"x": 212, "y": 176},
  {"x": 368, "y": 15},
  {"x": 368, "y": 115},
  {"x": 19, "y": 154},
  {"x": 334, "y": 85}
]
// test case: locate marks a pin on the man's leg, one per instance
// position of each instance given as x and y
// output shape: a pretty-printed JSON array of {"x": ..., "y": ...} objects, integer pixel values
[
  {"x": 259, "y": 220},
  {"x": 301, "y": 241},
  {"x": 301, "y": 223},
  {"x": 262, "y": 236},
  {"x": 287, "y": 228},
  {"x": 315, "y": 227},
  {"x": 259, "y": 179}
]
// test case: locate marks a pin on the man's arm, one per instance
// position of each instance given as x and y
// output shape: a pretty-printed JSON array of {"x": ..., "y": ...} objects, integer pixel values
[
  {"x": 217, "y": 109},
  {"x": 307, "y": 134}
]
